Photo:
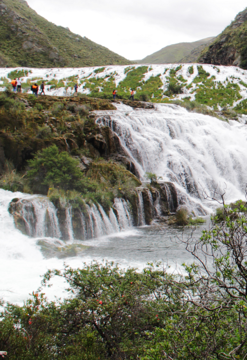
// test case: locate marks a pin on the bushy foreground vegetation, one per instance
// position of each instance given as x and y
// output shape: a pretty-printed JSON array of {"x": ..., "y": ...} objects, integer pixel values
[{"x": 127, "y": 314}]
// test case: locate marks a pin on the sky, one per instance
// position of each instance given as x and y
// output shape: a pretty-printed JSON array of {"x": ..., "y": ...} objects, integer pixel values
[{"x": 135, "y": 29}]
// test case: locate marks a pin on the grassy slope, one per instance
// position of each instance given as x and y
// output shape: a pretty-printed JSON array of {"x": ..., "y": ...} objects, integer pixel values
[
  {"x": 174, "y": 53},
  {"x": 28, "y": 39}
]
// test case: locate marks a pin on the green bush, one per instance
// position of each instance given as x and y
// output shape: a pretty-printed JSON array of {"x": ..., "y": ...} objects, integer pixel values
[
  {"x": 191, "y": 70},
  {"x": 182, "y": 217},
  {"x": 51, "y": 168}
]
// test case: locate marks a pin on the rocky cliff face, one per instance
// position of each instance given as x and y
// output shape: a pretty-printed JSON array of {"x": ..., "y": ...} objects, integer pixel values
[
  {"x": 230, "y": 47},
  {"x": 27, "y": 39}
]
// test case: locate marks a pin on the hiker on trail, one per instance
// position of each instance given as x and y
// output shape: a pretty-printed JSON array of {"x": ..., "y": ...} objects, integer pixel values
[
  {"x": 42, "y": 88},
  {"x": 132, "y": 93},
  {"x": 35, "y": 89},
  {"x": 19, "y": 85},
  {"x": 114, "y": 93},
  {"x": 14, "y": 84},
  {"x": 76, "y": 88}
]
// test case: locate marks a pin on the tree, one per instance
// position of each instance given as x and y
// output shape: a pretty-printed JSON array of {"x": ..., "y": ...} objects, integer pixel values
[{"x": 51, "y": 168}]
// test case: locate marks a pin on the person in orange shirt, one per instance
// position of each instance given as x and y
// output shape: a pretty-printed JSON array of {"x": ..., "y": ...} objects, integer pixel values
[
  {"x": 35, "y": 89},
  {"x": 132, "y": 93},
  {"x": 14, "y": 84},
  {"x": 114, "y": 93}
]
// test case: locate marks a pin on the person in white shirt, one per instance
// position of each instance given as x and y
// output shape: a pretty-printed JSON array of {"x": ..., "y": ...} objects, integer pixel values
[{"x": 19, "y": 85}]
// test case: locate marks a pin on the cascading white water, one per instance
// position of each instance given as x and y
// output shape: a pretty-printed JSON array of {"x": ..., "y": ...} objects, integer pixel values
[
  {"x": 21, "y": 261},
  {"x": 140, "y": 209},
  {"x": 123, "y": 214},
  {"x": 199, "y": 154},
  {"x": 69, "y": 224}
]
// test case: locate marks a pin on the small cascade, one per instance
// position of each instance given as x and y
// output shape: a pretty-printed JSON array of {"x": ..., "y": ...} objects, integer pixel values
[
  {"x": 140, "y": 209},
  {"x": 157, "y": 208},
  {"x": 171, "y": 196},
  {"x": 69, "y": 224},
  {"x": 123, "y": 214},
  {"x": 114, "y": 221},
  {"x": 83, "y": 226},
  {"x": 106, "y": 220},
  {"x": 90, "y": 224},
  {"x": 38, "y": 217}
]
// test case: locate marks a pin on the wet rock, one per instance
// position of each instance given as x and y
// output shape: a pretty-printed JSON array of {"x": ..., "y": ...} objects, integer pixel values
[{"x": 24, "y": 216}]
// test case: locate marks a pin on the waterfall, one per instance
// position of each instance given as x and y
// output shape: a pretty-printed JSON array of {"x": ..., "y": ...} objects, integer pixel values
[
  {"x": 69, "y": 224},
  {"x": 201, "y": 155},
  {"x": 140, "y": 209},
  {"x": 36, "y": 216},
  {"x": 157, "y": 208},
  {"x": 123, "y": 214}
]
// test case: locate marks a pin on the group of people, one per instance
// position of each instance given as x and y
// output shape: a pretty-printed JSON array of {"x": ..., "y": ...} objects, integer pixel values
[
  {"x": 35, "y": 89},
  {"x": 16, "y": 85},
  {"x": 132, "y": 94}
]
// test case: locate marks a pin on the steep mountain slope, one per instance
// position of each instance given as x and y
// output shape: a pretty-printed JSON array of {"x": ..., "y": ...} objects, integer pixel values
[
  {"x": 175, "y": 53},
  {"x": 230, "y": 47},
  {"x": 28, "y": 39}
]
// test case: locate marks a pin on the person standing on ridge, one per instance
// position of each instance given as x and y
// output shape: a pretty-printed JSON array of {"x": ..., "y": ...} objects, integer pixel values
[
  {"x": 76, "y": 88},
  {"x": 35, "y": 89},
  {"x": 14, "y": 84},
  {"x": 19, "y": 85},
  {"x": 42, "y": 88},
  {"x": 114, "y": 93},
  {"x": 132, "y": 93}
]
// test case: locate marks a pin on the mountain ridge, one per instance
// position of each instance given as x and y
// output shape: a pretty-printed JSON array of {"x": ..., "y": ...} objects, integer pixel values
[
  {"x": 176, "y": 53},
  {"x": 229, "y": 48}
]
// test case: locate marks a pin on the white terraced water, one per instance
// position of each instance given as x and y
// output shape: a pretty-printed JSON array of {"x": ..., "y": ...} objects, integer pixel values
[
  {"x": 199, "y": 154},
  {"x": 222, "y": 75},
  {"x": 195, "y": 152}
]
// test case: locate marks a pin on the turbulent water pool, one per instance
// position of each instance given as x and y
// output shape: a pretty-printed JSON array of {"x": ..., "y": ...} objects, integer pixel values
[{"x": 22, "y": 263}]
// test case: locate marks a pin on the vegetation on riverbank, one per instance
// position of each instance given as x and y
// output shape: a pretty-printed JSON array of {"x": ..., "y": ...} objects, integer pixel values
[{"x": 150, "y": 314}]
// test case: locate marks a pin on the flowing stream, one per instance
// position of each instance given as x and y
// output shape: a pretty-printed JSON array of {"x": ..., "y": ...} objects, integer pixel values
[{"x": 200, "y": 155}]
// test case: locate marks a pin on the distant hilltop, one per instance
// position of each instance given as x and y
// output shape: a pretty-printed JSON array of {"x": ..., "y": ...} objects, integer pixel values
[
  {"x": 28, "y": 39},
  {"x": 186, "y": 52}
]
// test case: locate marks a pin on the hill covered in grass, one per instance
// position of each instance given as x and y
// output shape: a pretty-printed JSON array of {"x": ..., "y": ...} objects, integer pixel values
[
  {"x": 229, "y": 48},
  {"x": 28, "y": 39},
  {"x": 182, "y": 52}
]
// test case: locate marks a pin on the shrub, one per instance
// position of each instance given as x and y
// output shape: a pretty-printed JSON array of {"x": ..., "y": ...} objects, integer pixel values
[
  {"x": 182, "y": 217},
  {"x": 191, "y": 70},
  {"x": 49, "y": 167},
  {"x": 13, "y": 181}
]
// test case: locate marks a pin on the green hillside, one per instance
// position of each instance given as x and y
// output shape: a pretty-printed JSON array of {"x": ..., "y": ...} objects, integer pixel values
[
  {"x": 230, "y": 47},
  {"x": 175, "y": 53},
  {"x": 28, "y": 39}
]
